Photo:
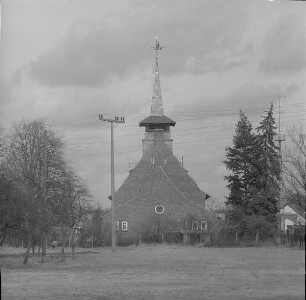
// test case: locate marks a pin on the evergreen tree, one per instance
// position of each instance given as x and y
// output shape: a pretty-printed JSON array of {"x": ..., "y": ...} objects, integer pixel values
[
  {"x": 268, "y": 169},
  {"x": 239, "y": 161},
  {"x": 254, "y": 179}
]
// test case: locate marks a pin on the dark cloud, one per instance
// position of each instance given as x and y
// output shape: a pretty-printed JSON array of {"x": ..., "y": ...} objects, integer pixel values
[
  {"x": 256, "y": 95},
  {"x": 91, "y": 53},
  {"x": 284, "y": 50}
]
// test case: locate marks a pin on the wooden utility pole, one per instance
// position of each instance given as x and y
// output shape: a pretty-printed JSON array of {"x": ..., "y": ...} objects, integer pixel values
[
  {"x": 44, "y": 200},
  {"x": 280, "y": 138},
  {"x": 112, "y": 121}
]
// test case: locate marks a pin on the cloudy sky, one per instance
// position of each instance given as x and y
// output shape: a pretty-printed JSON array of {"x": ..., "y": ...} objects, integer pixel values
[{"x": 66, "y": 61}]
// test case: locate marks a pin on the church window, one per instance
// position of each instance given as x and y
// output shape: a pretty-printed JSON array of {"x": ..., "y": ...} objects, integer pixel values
[
  {"x": 124, "y": 226},
  {"x": 194, "y": 225},
  {"x": 159, "y": 209},
  {"x": 117, "y": 225},
  {"x": 152, "y": 160},
  {"x": 204, "y": 225}
]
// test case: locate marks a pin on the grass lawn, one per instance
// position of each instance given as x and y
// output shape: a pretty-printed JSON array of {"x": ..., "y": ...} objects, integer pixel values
[{"x": 159, "y": 272}]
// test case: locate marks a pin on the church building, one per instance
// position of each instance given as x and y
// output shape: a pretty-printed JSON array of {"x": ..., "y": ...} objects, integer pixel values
[{"x": 159, "y": 200}]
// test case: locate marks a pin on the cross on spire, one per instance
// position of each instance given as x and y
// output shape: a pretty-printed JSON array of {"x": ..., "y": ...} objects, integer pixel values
[
  {"x": 157, "y": 104},
  {"x": 157, "y": 47}
]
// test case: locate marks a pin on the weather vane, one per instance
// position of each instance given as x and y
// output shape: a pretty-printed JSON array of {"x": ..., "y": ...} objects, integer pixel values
[{"x": 157, "y": 47}]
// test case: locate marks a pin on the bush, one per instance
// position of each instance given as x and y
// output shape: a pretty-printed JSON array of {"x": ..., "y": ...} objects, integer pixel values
[{"x": 173, "y": 237}]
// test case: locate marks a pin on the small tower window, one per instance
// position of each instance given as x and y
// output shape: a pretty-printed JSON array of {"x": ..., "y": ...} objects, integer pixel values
[{"x": 152, "y": 160}]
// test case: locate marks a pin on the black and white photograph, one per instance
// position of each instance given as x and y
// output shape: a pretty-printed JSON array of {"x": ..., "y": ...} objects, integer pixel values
[{"x": 152, "y": 149}]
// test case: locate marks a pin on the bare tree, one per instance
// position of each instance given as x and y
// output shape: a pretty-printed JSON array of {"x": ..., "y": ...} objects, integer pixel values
[
  {"x": 8, "y": 220},
  {"x": 70, "y": 202},
  {"x": 294, "y": 167},
  {"x": 26, "y": 169},
  {"x": 47, "y": 192}
]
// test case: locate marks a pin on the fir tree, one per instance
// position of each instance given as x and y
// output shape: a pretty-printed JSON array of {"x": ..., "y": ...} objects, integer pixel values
[
  {"x": 268, "y": 169},
  {"x": 253, "y": 182},
  {"x": 239, "y": 162}
]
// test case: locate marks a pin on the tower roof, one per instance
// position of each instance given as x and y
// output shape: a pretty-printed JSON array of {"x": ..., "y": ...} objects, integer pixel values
[
  {"x": 154, "y": 120},
  {"x": 157, "y": 109}
]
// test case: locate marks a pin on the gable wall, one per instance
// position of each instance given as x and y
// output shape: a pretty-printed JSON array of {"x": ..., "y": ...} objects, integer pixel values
[{"x": 288, "y": 210}]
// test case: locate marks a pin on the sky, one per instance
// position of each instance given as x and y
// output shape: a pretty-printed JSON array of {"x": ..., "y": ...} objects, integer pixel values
[{"x": 67, "y": 61}]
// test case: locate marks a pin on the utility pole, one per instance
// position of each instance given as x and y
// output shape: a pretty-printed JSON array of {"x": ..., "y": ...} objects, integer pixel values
[
  {"x": 92, "y": 233},
  {"x": 112, "y": 121},
  {"x": 280, "y": 138},
  {"x": 45, "y": 164}
]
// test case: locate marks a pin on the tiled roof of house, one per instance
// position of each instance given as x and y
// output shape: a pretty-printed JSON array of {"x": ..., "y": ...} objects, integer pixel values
[{"x": 297, "y": 208}]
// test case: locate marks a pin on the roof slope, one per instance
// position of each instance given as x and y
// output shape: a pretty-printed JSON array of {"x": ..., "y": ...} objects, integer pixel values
[
  {"x": 297, "y": 208},
  {"x": 160, "y": 186},
  {"x": 165, "y": 159}
]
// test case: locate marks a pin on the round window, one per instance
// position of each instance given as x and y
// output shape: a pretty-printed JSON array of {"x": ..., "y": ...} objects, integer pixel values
[{"x": 159, "y": 209}]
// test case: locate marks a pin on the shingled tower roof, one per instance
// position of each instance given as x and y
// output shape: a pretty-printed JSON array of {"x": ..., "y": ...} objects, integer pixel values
[{"x": 157, "y": 110}]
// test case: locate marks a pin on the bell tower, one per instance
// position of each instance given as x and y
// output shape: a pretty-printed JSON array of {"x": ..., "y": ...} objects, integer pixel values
[{"x": 157, "y": 122}]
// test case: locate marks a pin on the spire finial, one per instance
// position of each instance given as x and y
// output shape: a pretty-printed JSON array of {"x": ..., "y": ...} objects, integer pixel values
[
  {"x": 157, "y": 104},
  {"x": 157, "y": 47}
]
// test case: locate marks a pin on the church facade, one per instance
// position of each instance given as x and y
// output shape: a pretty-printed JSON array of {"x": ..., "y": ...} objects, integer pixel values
[{"x": 159, "y": 200}]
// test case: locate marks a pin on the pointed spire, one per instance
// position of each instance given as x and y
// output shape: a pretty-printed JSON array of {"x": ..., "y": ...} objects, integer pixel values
[{"x": 157, "y": 103}]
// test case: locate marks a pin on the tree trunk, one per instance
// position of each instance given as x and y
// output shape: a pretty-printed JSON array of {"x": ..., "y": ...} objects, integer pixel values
[
  {"x": 63, "y": 246},
  {"x": 43, "y": 248},
  {"x": 257, "y": 237},
  {"x": 26, "y": 256},
  {"x": 185, "y": 238},
  {"x": 72, "y": 245},
  {"x": 236, "y": 236},
  {"x": 139, "y": 243},
  {"x": 2, "y": 238}
]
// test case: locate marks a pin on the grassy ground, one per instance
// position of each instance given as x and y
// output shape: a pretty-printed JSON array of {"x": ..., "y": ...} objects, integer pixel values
[{"x": 160, "y": 272}]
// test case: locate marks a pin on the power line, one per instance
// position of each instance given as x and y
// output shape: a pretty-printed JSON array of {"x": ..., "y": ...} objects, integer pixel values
[{"x": 224, "y": 112}]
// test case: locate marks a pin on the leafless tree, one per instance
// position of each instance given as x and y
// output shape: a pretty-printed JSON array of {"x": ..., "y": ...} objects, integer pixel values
[
  {"x": 294, "y": 167},
  {"x": 26, "y": 170},
  {"x": 46, "y": 200},
  {"x": 10, "y": 214},
  {"x": 70, "y": 202}
]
